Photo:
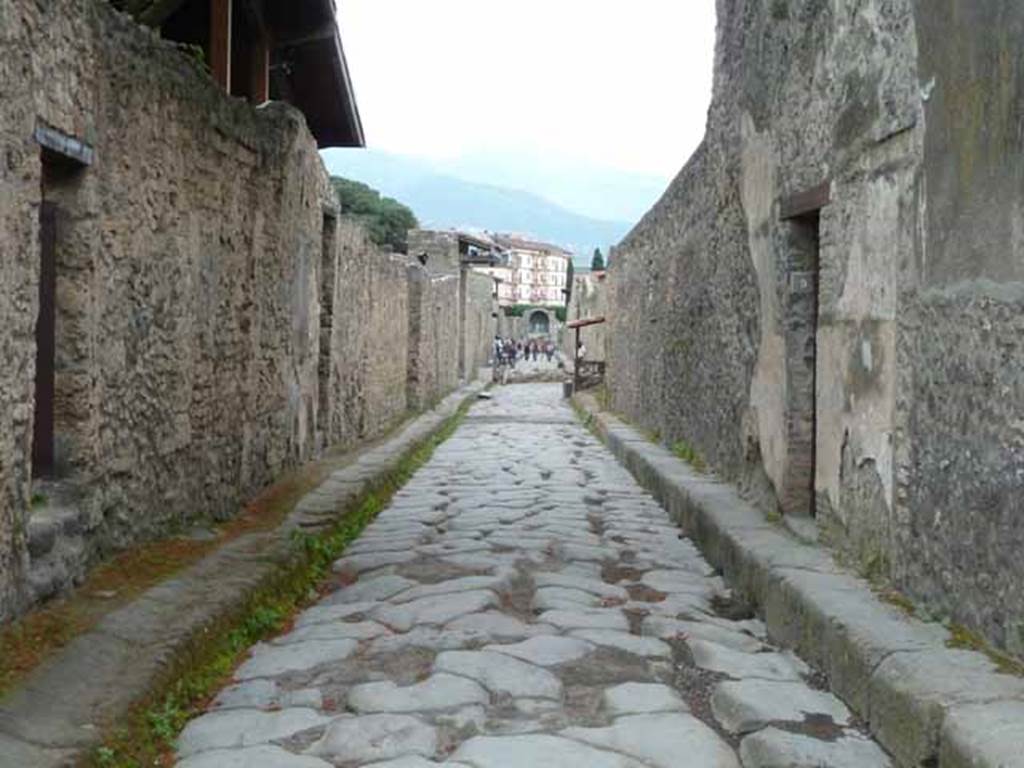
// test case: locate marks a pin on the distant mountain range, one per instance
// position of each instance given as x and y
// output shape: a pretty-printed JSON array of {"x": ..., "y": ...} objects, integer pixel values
[{"x": 445, "y": 200}]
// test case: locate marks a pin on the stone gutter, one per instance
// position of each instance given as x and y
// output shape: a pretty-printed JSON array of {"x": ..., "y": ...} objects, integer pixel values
[
  {"x": 60, "y": 712},
  {"x": 928, "y": 704}
]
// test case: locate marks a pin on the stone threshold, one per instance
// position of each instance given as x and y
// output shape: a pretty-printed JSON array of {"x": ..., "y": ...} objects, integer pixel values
[
  {"x": 926, "y": 703},
  {"x": 61, "y": 710}
]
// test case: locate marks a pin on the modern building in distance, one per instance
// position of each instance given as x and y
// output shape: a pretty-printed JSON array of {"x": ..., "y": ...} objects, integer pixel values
[{"x": 539, "y": 272}]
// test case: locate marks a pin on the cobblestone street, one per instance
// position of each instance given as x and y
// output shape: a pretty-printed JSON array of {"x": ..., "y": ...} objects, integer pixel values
[{"x": 523, "y": 603}]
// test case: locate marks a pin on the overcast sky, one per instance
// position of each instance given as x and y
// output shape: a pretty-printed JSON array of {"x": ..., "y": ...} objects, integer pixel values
[{"x": 618, "y": 83}]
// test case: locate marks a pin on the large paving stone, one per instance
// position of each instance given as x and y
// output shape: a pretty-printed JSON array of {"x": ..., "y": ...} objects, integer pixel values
[
  {"x": 642, "y": 698},
  {"x": 660, "y": 740},
  {"x": 252, "y": 757},
  {"x": 670, "y": 629},
  {"x": 773, "y": 748},
  {"x": 767, "y": 666},
  {"x": 273, "y": 660},
  {"x": 594, "y": 586},
  {"x": 498, "y": 627},
  {"x": 563, "y": 598},
  {"x": 624, "y": 641},
  {"x": 501, "y": 674},
  {"x": 984, "y": 736},
  {"x": 416, "y": 762},
  {"x": 371, "y": 561},
  {"x": 432, "y": 638},
  {"x": 537, "y": 751},
  {"x": 439, "y": 691},
  {"x": 680, "y": 581},
  {"x": 370, "y": 738},
  {"x": 326, "y": 611},
  {"x": 434, "y": 610},
  {"x": 546, "y": 651},
  {"x": 453, "y": 586},
  {"x": 596, "y": 618},
  {"x": 335, "y": 630},
  {"x": 244, "y": 728},
  {"x": 746, "y": 705},
  {"x": 372, "y": 590},
  {"x": 266, "y": 694}
]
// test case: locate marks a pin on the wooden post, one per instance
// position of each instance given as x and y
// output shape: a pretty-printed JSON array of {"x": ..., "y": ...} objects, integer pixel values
[
  {"x": 260, "y": 87},
  {"x": 220, "y": 42}
]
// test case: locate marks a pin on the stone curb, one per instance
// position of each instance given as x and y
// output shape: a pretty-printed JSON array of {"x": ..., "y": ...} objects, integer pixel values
[
  {"x": 60, "y": 711},
  {"x": 927, "y": 704}
]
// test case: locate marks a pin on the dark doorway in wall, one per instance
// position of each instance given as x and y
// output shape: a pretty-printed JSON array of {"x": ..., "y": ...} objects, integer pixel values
[
  {"x": 63, "y": 159},
  {"x": 801, "y": 216},
  {"x": 328, "y": 268},
  {"x": 59, "y": 174},
  {"x": 46, "y": 344}
]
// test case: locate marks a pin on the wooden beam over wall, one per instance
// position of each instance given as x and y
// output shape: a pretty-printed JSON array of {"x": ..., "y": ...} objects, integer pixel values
[
  {"x": 220, "y": 42},
  {"x": 806, "y": 202}
]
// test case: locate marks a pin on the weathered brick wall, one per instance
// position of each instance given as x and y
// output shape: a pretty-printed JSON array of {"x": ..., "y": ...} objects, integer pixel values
[
  {"x": 917, "y": 459},
  {"x": 216, "y": 322}
]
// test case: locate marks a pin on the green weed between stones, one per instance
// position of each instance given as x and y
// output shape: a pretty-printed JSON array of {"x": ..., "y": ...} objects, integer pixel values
[
  {"x": 586, "y": 417},
  {"x": 964, "y": 639},
  {"x": 148, "y": 734},
  {"x": 689, "y": 454}
]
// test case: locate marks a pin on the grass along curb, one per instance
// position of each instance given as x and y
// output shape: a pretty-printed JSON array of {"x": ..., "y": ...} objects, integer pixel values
[{"x": 147, "y": 736}]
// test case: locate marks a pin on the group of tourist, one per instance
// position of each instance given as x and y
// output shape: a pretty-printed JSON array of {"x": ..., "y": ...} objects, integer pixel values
[{"x": 508, "y": 351}]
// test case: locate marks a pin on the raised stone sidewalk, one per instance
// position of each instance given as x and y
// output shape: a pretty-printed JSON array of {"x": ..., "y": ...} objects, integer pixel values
[
  {"x": 927, "y": 704},
  {"x": 59, "y": 713},
  {"x": 523, "y": 603}
]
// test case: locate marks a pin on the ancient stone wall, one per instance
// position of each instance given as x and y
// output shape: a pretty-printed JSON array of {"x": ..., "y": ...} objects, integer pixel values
[
  {"x": 479, "y": 322},
  {"x": 216, "y": 321},
  {"x": 433, "y": 367},
  {"x": 589, "y": 299},
  {"x": 369, "y": 341},
  {"x": 436, "y": 250},
  {"x": 812, "y": 304}
]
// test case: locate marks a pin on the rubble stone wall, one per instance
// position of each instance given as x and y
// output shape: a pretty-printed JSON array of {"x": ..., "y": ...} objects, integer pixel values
[
  {"x": 479, "y": 322},
  {"x": 217, "y": 321},
  {"x": 433, "y": 367},
  {"x": 369, "y": 341},
  {"x": 856, "y": 359},
  {"x": 589, "y": 299}
]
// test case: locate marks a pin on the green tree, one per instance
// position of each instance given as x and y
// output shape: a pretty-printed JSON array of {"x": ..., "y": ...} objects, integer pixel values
[
  {"x": 597, "y": 263},
  {"x": 387, "y": 220}
]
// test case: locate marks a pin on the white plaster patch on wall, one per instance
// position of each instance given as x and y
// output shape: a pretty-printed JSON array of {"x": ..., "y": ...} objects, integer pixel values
[
  {"x": 870, "y": 287},
  {"x": 768, "y": 387}
]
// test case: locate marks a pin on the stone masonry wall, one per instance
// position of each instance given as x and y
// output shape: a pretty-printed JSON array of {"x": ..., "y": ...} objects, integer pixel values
[
  {"x": 369, "y": 344},
  {"x": 854, "y": 362},
  {"x": 589, "y": 299},
  {"x": 217, "y": 322},
  {"x": 479, "y": 323},
  {"x": 433, "y": 336}
]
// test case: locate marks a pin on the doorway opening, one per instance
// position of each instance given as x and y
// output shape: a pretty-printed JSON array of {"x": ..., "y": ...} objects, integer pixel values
[
  {"x": 801, "y": 216},
  {"x": 540, "y": 324},
  {"x": 60, "y": 178}
]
